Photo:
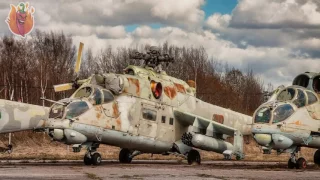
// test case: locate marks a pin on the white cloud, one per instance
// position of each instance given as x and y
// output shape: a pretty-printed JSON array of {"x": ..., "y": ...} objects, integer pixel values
[
  {"x": 218, "y": 21},
  {"x": 276, "y": 14}
]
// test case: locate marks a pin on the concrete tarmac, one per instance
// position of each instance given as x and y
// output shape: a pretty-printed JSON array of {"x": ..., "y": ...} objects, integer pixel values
[{"x": 158, "y": 170}]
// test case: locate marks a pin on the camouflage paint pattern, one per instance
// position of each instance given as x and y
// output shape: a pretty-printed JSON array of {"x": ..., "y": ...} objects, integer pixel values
[{"x": 16, "y": 116}]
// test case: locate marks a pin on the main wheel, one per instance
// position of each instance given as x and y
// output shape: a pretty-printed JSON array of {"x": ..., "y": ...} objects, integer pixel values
[
  {"x": 96, "y": 159},
  {"x": 124, "y": 156},
  {"x": 316, "y": 157},
  {"x": 194, "y": 157},
  {"x": 301, "y": 163},
  {"x": 291, "y": 164},
  {"x": 87, "y": 161}
]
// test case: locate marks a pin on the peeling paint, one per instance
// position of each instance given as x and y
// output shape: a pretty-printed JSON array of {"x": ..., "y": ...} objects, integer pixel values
[
  {"x": 135, "y": 82},
  {"x": 180, "y": 88},
  {"x": 218, "y": 118},
  {"x": 170, "y": 92},
  {"x": 115, "y": 112}
]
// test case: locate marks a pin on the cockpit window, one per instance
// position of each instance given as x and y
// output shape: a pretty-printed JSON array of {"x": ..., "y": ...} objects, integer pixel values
[
  {"x": 108, "y": 97},
  {"x": 282, "y": 112},
  {"x": 301, "y": 99},
  {"x": 97, "y": 96},
  {"x": 286, "y": 94},
  {"x": 263, "y": 115},
  {"x": 56, "y": 111},
  {"x": 311, "y": 97},
  {"x": 83, "y": 92},
  {"x": 76, "y": 109}
]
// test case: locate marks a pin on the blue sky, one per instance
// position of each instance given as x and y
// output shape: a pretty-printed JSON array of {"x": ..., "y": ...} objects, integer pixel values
[
  {"x": 210, "y": 7},
  {"x": 219, "y": 6}
]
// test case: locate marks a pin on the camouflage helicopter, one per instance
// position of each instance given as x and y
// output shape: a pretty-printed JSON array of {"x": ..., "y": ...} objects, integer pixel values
[
  {"x": 143, "y": 110},
  {"x": 290, "y": 119}
]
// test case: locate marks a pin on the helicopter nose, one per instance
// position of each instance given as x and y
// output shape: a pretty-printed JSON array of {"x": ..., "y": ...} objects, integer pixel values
[{"x": 263, "y": 139}]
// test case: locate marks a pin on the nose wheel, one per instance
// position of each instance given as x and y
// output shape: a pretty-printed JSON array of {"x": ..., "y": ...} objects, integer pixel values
[
  {"x": 94, "y": 159},
  {"x": 301, "y": 163}
]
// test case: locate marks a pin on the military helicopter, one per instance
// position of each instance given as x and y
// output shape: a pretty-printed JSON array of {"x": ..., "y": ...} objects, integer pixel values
[
  {"x": 291, "y": 120},
  {"x": 143, "y": 110}
]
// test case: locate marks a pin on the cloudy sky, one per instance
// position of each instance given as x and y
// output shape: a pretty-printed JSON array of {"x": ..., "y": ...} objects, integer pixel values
[{"x": 277, "y": 39}]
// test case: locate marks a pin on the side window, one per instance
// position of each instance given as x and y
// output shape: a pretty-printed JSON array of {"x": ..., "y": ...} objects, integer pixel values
[
  {"x": 83, "y": 92},
  {"x": 97, "y": 96},
  {"x": 171, "y": 121},
  {"x": 108, "y": 97},
  {"x": 286, "y": 94},
  {"x": 163, "y": 119},
  {"x": 311, "y": 97},
  {"x": 301, "y": 99},
  {"x": 149, "y": 114}
]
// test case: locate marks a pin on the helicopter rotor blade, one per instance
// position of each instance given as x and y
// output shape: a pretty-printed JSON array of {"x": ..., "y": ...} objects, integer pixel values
[
  {"x": 78, "y": 62},
  {"x": 63, "y": 87}
]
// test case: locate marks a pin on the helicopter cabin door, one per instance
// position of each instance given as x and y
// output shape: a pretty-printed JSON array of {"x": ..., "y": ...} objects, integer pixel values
[
  {"x": 148, "y": 121},
  {"x": 165, "y": 124}
]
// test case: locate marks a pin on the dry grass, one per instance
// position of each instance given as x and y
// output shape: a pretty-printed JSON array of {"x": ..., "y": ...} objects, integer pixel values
[{"x": 27, "y": 145}]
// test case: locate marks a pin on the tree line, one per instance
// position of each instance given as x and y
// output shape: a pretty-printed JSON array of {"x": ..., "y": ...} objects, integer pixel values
[{"x": 30, "y": 67}]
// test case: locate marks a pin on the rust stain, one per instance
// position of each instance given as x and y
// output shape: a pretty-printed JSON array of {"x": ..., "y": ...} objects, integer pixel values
[
  {"x": 180, "y": 88},
  {"x": 191, "y": 83},
  {"x": 170, "y": 92},
  {"x": 136, "y": 83},
  {"x": 98, "y": 115},
  {"x": 115, "y": 112},
  {"x": 118, "y": 124},
  {"x": 298, "y": 123},
  {"x": 97, "y": 108},
  {"x": 218, "y": 118},
  {"x": 125, "y": 90}
]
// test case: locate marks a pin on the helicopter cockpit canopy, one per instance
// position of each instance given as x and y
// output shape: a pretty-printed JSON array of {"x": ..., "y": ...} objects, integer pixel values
[
  {"x": 95, "y": 94},
  {"x": 71, "y": 109},
  {"x": 75, "y": 109},
  {"x": 287, "y": 101},
  {"x": 297, "y": 95},
  {"x": 273, "y": 113}
]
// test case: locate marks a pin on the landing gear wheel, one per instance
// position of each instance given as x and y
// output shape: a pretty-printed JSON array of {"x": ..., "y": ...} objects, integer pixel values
[
  {"x": 291, "y": 164},
  {"x": 96, "y": 159},
  {"x": 301, "y": 163},
  {"x": 194, "y": 157},
  {"x": 87, "y": 161},
  {"x": 124, "y": 156},
  {"x": 316, "y": 157}
]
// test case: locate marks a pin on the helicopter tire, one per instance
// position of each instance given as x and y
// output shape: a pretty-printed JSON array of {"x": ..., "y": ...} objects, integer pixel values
[
  {"x": 316, "y": 157},
  {"x": 301, "y": 163},
  {"x": 96, "y": 159},
  {"x": 194, "y": 157},
  {"x": 124, "y": 156},
  {"x": 87, "y": 161},
  {"x": 291, "y": 164}
]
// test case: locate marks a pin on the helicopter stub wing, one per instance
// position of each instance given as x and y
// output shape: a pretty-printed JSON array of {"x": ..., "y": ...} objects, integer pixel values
[
  {"x": 188, "y": 119},
  {"x": 208, "y": 135},
  {"x": 17, "y": 116}
]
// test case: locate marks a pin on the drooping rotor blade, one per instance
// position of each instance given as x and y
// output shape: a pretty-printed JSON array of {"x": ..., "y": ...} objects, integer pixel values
[
  {"x": 78, "y": 63},
  {"x": 63, "y": 87}
]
